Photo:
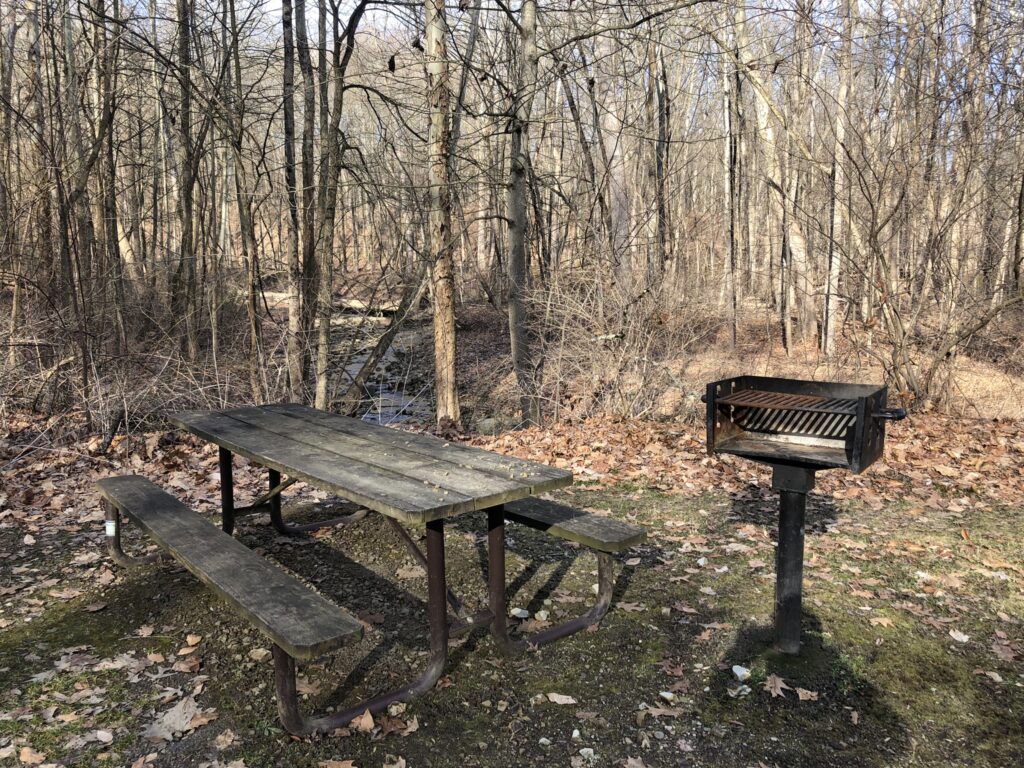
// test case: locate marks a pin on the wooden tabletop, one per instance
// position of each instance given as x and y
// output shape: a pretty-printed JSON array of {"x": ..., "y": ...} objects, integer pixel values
[{"x": 413, "y": 478}]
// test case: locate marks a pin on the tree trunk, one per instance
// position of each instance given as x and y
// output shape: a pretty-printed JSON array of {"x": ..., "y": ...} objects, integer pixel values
[
  {"x": 523, "y": 362},
  {"x": 295, "y": 347},
  {"x": 440, "y": 237}
]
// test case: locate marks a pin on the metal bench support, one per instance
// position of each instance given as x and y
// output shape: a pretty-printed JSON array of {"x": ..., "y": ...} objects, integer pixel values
[
  {"x": 437, "y": 616},
  {"x": 112, "y": 515},
  {"x": 498, "y": 605},
  {"x": 272, "y": 497}
]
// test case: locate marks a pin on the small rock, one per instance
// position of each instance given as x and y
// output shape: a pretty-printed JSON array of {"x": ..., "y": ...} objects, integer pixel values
[
  {"x": 544, "y": 741},
  {"x": 659, "y": 735},
  {"x": 738, "y": 691},
  {"x": 742, "y": 673},
  {"x": 519, "y": 613},
  {"x": 541, "y": 615},
  {"x": 668, "y": 696},
  {"x": 588, "y": 754},
  {"x": 259, "y": 654},
  {"x": 575, "y": 734}
]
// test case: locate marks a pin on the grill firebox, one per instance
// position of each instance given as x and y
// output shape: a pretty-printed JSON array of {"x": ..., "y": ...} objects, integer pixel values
[{"x": 797, "y": 428}]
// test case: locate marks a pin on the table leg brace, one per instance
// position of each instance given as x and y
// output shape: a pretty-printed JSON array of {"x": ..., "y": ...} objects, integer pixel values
[
  {"x": 284, "y": 665},
  {"x": 289, "y": 529},
  {"x": 496, "y": 589}
]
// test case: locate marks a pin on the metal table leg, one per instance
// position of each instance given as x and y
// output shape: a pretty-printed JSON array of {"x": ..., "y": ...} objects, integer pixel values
[
  {"x": 497, "y": 594},
  {"x": 437, "y": 616},
  {"x": 227, "y": 491},
  {"x": 290, "y": 529}
]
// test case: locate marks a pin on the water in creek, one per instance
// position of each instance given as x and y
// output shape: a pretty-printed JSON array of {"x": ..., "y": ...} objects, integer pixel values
[{"x": 396, "y": 390}]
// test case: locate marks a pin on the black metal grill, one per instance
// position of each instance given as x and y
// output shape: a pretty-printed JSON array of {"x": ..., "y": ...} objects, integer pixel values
[
  {"x": 796, "y": 427},
  {"x": 817, "y": 425}
]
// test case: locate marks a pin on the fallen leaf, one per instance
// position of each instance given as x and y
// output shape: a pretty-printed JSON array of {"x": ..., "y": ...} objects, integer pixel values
[
  {"x": 144, "y": 631},
  {"x": 631, "y": 607},
  {"x": 363, "y": 722},
  {"x": 336, "y": 764},
  {"x": 411, "y": 572},
  {"x": 30, "y": 757},
  {"x": 776, "y": 686},
  {"x": 558, "y": 698},
  {"x": 193, "y": 639},
  {"x": 804, "y": 695},
  {"x": 1003, "y": 651},
  {"x": 414, "y": 724},
  {"x": 188, "y": 665},
  {"x": 880, "y": 621},
  {"x": 391, "y": 761},
  {"x": 633, "y": 561},
  {"x": 225, "y": 739},
  {"x": 259, "y": 654},
  {"x": 960, "y": 637},
  {"x": 177, "y": 719},
  {"x": 94, "y": 607},
  {"x": 202, "y": 719}
]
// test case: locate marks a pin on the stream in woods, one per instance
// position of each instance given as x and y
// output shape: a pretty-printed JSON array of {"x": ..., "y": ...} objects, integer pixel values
[{"x": 397, "y": 390}]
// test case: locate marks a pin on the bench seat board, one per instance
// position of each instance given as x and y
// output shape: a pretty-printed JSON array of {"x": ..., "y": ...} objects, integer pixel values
[
  {"x": 604, "y": 534},
  {"x": 297, "y": 619}
]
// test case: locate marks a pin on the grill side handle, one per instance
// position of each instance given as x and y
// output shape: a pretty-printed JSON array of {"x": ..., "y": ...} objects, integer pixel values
[{"x": 891, "y": 414}]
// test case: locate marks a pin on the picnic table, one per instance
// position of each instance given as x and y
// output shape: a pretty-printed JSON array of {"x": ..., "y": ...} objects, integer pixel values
[{"x": 411, "y": 479}]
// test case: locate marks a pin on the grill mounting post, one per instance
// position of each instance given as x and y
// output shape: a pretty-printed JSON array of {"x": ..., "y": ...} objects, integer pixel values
[
  {"x": 793, "y": 484},
  {"x": 797, "y": 428}
]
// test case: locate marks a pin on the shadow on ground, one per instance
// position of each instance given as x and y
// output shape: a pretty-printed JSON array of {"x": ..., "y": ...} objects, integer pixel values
[{"x": 760, "y": 506}]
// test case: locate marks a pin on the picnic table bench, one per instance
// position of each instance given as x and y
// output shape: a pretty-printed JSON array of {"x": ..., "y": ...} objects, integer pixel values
[{"x": 409, "y": 479}]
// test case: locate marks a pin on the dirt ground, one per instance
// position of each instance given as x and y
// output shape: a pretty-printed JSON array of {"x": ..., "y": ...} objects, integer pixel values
[{"x": 914, "y": 638}]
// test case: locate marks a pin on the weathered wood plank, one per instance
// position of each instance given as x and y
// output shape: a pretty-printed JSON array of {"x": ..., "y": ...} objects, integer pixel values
[
  {"x": 540, "y": 477},
  {"x": 488, "y": 489},
  {"x": 299, "y": 620},
  {"x": 604, "y": 534},
  {"x": 389, "y": 493}
]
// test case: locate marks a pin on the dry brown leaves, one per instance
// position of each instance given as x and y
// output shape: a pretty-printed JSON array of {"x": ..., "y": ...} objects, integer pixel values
[{"x": 934, "y": 462}]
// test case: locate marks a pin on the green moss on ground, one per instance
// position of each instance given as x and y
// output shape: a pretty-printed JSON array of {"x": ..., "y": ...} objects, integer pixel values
[{"x": 898, "y": 692}]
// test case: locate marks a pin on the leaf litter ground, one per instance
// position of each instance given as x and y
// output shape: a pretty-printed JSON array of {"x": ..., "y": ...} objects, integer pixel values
[{"x": 914, "y": 595}]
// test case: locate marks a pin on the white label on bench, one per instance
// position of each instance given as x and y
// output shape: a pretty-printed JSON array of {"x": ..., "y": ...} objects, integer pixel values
[{"x": 111, "y": 528}]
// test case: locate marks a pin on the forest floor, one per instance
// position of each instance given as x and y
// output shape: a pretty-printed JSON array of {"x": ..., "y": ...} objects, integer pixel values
[{"x": 914, "y": 617}]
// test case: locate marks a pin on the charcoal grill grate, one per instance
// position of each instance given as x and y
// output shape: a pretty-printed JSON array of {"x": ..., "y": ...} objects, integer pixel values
[{"x": 779, "y": 401}]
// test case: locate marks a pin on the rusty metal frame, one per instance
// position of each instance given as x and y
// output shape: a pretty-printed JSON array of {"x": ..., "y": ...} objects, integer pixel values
[
  {"x": 272, "y": 498},
  {"x": 437, "y": 615},
  {"x": 291, "y": 529},
  {"x": 497, "y": 593},
  {"x": 112, "y": 516},
  {"x": 453, "y": 599}
]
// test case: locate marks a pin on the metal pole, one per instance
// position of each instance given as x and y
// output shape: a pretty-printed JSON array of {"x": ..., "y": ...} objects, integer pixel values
[
  {"x": 792, "y": 483},
  {"x": 227, "y": 491},
  {"x": 496, "y": 580},
  {"x": 274, "y": 480},
  {"x": 789, "y": 571}
]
